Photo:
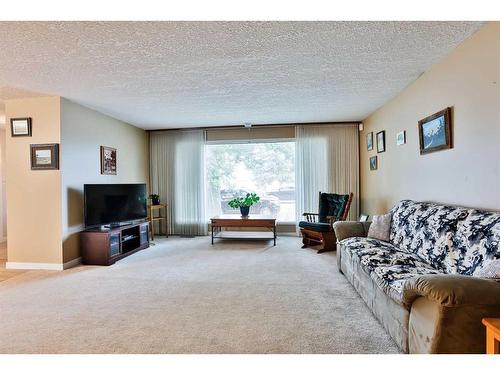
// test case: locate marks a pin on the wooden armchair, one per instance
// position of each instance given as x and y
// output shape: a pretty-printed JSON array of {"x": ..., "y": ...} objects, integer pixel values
[{"x": 317, "y": 229}]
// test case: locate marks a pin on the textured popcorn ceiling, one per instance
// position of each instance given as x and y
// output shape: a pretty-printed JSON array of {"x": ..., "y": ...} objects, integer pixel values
[{"x": 183, "y": 74}]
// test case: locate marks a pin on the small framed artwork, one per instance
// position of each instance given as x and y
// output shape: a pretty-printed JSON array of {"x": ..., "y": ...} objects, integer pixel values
[
  {"x": 434, "y": 132},
  {"x": 401, "y": 138},
  {"x": 373, "y": 163},
  {"x": 44, "y": 156},
  {"x": 381, "y": 141},
  {"x": 369, "y": 141},
  {"x": 108, "y": 160},
  {"x": 20, "y": 127},
  {"x": 363, "y": 217}
]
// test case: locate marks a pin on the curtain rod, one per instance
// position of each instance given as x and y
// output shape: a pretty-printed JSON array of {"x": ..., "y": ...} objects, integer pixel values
[{"x": 258, "y": 125}]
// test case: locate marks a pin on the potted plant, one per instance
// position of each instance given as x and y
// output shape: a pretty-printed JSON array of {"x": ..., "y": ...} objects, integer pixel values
[
  {"x": 155, "y": 199},
  {"x": 244, "y": 203}
]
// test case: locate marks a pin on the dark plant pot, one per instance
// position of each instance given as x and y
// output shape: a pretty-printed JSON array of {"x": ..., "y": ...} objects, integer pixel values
[
  {"x": 244, "y": 211},
  {"x": 155, "y": 201}
]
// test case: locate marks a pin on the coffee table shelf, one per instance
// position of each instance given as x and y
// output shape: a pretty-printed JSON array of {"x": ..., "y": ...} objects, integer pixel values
[{"x": 236, "y": 221}]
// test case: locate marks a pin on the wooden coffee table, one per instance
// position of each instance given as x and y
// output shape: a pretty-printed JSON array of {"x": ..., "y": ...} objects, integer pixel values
[{"x": 236, "y": 221}]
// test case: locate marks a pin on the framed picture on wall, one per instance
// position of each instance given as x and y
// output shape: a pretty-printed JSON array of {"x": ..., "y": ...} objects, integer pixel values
[
  {"x": 20, "y": 127},
  {"x": 363, "y": 217},
  {"x": 381, "y": 141},
  {"x": 401, "y": 138},
  {"x": 108, "y": 160},
  {"x": 373, "y": 163},
  {"x": 369, "y": 141},
  {"x": 434, "y": 132},
  {"x": 44, "y": 156}
]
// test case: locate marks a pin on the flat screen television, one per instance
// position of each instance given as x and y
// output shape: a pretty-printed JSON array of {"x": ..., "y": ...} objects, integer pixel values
[{"x": 114, "y": 204}]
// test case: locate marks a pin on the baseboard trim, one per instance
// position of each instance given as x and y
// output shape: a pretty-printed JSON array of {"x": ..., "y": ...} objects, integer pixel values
[
  {"x": 43, "y": 266},
  {"x": 72, "y": 263},
  {"x": 34, "y": 266}
]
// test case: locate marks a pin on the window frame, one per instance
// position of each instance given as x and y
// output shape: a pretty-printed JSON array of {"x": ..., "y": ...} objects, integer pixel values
[{"x": 248, "y": 141}]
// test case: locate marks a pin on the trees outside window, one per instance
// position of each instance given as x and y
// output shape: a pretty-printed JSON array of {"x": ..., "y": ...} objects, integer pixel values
[{"x": 266, "y": 168}]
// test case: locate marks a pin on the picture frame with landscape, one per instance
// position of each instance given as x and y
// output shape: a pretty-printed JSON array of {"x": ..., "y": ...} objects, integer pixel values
[
  {"x": 401, "y": 138},
  {"x": 434, "y": 132},
  {"x": 369, "y": 141},
  {"x": 44, "y": 156},
  {"x": 373, "y": 163},
  {"x": 381, "y": 141}
]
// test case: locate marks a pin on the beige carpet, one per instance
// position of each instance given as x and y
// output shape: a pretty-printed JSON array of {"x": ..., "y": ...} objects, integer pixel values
[
  {"x": 6, "y": 274},
  {"x": 185, "y": 296}
]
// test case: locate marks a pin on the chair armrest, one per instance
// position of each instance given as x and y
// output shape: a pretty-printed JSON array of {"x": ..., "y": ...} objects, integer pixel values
[
  {"x": 346, "y": 229},
  {"x": 453, "y": 290},
  {"x": 310, "y": 217}
]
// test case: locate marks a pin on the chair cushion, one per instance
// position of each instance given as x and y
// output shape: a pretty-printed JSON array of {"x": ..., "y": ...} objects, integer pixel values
[
  {"x": 426, "y": 229},
  {"x": 318, "y": 227},
  {"x": 387, "y": 265},
  {"x": 477, "y": 243},
  {"x": 331, "y": 204}
]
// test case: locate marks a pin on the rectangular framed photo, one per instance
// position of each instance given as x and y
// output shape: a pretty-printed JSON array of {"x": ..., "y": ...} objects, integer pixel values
[
  {"x": 108, "y": 160},
  {"x": 20, "y": 127},
  {"x": 44, "y": 156},
  {"x": 381, "y": 141},
  {"x": 363, "y": 217},
  {"x": 373, "y": 163},
  {"x": 434, "y": 132},
  {"x": 401, "y": 138},
  {"x": 369, "y": 141}
]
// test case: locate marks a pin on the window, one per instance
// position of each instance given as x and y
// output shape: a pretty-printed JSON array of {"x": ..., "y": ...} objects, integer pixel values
[{"x": 267, "y": 168}]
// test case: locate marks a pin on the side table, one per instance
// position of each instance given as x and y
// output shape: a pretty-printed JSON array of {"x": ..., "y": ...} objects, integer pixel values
[
  {"x": 152, "y": 218},
  {"x": 492, "y": 335}
]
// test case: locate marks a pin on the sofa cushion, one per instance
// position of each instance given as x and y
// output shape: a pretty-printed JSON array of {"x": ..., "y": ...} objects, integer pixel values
[
  {"x": 380, "y": 227},
  {"x": 387, "y": 265},
  {"x": 427, "y": 230},
  {"x": 318, "y": 227},
  {"x": 477, "y": 243}
]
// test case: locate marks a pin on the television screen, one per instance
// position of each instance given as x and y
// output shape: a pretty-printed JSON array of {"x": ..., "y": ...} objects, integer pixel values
[{"x": 114, "y": 203}]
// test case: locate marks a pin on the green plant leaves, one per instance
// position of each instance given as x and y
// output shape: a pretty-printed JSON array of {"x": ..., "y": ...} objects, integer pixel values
[{"x": 246, "y": 201}]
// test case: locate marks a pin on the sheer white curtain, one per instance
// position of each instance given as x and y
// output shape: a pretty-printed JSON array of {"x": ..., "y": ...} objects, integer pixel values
[
  {"x": 177, "y": 175},
  {"x": 327, "y": 160}
]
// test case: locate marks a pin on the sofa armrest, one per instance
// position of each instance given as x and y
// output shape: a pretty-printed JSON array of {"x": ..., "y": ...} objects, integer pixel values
[
  {"x": 446, "y": 313},
  {"x": 453, "y": 290},
  {"x": 346, "y": 229}
]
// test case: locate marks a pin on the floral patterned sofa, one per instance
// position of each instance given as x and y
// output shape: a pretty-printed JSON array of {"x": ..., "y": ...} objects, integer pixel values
[{"x": 424, "y": 285}]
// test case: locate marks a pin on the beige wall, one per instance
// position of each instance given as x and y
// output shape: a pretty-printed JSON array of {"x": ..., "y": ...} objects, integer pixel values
[
  {"x": 468, "y": 79},
  {"x": 83, "y": 131},
  {"x": 34, "y": 211},
  {"x": 3, "y": 200},
  {"x": 45, "y": 212}
]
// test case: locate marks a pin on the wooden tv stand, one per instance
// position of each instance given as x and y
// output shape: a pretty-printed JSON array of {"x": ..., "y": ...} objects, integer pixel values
[{"x": 104, "y": 247}]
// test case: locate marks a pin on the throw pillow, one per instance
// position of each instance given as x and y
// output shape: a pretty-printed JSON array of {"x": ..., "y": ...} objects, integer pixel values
[
  {"x": 380, "y": 227},
  {"x": 490, "y": 271}
]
